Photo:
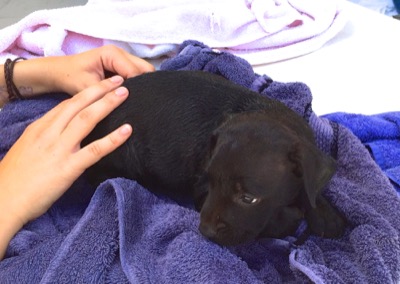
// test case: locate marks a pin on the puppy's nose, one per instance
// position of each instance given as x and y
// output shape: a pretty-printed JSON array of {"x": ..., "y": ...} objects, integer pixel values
[
  {"x": 207, "y": 231},
  {"x": 210, "y": 231},
  {"x": 220, "y": 226}
]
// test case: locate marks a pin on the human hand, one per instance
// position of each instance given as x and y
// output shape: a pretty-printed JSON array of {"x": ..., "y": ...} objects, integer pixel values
[
  {"x": 74, "y": 73},
  {"x": 47, "y": 158}
]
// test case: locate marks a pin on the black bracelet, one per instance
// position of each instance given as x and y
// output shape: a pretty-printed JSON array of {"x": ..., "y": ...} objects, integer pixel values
[{"x": 13, "y": 92}]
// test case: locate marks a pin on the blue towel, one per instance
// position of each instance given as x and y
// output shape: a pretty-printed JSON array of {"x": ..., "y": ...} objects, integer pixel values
[{"x": 121, "y": 233}]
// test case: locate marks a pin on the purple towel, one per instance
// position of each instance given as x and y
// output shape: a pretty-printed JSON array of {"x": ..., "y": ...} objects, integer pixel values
[
  {"x": 123, "y": 233},
  {"x": 381, "y": 135}
]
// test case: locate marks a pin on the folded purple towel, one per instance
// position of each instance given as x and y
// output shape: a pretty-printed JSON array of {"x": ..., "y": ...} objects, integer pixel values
[{"x": 123, "y": 233}]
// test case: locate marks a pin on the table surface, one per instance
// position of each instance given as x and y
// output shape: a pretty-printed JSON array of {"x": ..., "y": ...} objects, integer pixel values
[
  {"x": 11, "y": 11},
  {"x": 356, "y": 72}
]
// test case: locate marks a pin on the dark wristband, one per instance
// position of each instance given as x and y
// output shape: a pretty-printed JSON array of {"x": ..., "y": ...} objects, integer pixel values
[{"x": 13, "y": 92}]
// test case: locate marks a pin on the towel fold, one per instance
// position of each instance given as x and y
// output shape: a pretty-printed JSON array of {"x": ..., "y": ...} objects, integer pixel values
[
  {"x": 123, "y": 233},
  {"x": 260, "y": 31}
]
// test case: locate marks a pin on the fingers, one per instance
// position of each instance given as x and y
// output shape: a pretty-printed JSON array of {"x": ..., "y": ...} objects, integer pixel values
[
  {"x": 86, "y": 119},
  {"x": 118, "y": 61},
  {"x": 65, "y": 112},
  {"x": 75, "y": 118},
  {"x": 142, "y": 64},
  {"x": 96, "y": 150}
]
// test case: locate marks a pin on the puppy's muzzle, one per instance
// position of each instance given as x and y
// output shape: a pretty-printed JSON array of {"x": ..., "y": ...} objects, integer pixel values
[{"x": 211, "y": 231}]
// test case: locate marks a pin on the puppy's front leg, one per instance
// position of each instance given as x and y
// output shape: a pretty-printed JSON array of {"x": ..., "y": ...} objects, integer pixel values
[{"x": 324, "y": 220}]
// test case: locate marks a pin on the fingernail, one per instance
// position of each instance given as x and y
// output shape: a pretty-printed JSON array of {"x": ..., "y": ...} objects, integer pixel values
[
  {"x": 116, "y": 79},
  {"x": 121, "y": 91},
  {"x": 125, "y": 129}
]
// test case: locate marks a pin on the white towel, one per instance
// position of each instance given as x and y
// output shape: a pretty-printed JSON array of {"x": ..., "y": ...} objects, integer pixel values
[{"x": 260, "y": 31}]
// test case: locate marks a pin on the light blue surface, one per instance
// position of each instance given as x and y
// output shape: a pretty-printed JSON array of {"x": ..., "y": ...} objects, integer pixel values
[{"x": 382, "y": 6}]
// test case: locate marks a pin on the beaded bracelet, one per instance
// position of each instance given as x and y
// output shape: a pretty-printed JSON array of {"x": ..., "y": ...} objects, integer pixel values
[{"x": 13, "y": 92}]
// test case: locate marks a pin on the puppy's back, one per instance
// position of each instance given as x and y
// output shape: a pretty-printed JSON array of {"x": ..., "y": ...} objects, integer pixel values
[{"x": 173, "y": 114}]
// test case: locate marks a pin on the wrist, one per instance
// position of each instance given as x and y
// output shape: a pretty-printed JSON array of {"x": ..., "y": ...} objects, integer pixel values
[
  {"x": 8, "y": 229},
  {"x": 3, "y": 95},
  {"x": 10, "y": 224},
  {"x": 33, "y": 77},
  {"x": 10, "y": 207}
]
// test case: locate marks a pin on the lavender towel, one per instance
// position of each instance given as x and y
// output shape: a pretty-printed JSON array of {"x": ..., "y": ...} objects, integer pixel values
[{"x": 123, "y": 233}]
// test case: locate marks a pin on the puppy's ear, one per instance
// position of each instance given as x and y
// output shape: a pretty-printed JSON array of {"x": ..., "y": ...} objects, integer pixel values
[
  {"x": 216, "y": 133},
  {"x": 314, "y": 167}
]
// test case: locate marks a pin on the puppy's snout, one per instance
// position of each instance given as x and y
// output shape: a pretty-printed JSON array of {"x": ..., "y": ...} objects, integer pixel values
[
  {"x": 208, "y": 231},
  {"x": 211, "y": 231}
]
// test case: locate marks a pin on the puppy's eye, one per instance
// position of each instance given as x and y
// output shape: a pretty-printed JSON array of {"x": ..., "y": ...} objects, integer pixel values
[{"x": 249, "y": 199}]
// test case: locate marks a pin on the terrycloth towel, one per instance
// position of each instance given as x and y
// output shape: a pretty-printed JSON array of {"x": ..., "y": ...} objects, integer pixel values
[
  {"x": 381, "y": 135},
  {"x": 124, "y": 233},
  {"x": 260, "y": 31}
]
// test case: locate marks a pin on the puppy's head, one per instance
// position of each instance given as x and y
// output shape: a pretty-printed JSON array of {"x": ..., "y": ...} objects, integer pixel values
[{"x": 258, "y": 172}]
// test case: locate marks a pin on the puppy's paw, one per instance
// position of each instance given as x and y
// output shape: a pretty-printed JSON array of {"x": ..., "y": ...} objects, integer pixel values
[{"x": 325, "y": 221}]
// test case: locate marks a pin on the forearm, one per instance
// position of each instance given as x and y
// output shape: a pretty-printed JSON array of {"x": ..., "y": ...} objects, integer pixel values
[
  {"x": 31, "y": 77},
  {"x": 71, "y": 74},
  {"x": 47, "y": 158}
]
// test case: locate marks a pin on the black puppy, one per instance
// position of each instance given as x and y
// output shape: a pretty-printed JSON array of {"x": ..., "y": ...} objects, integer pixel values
[{"x": 249, "y": 162}]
